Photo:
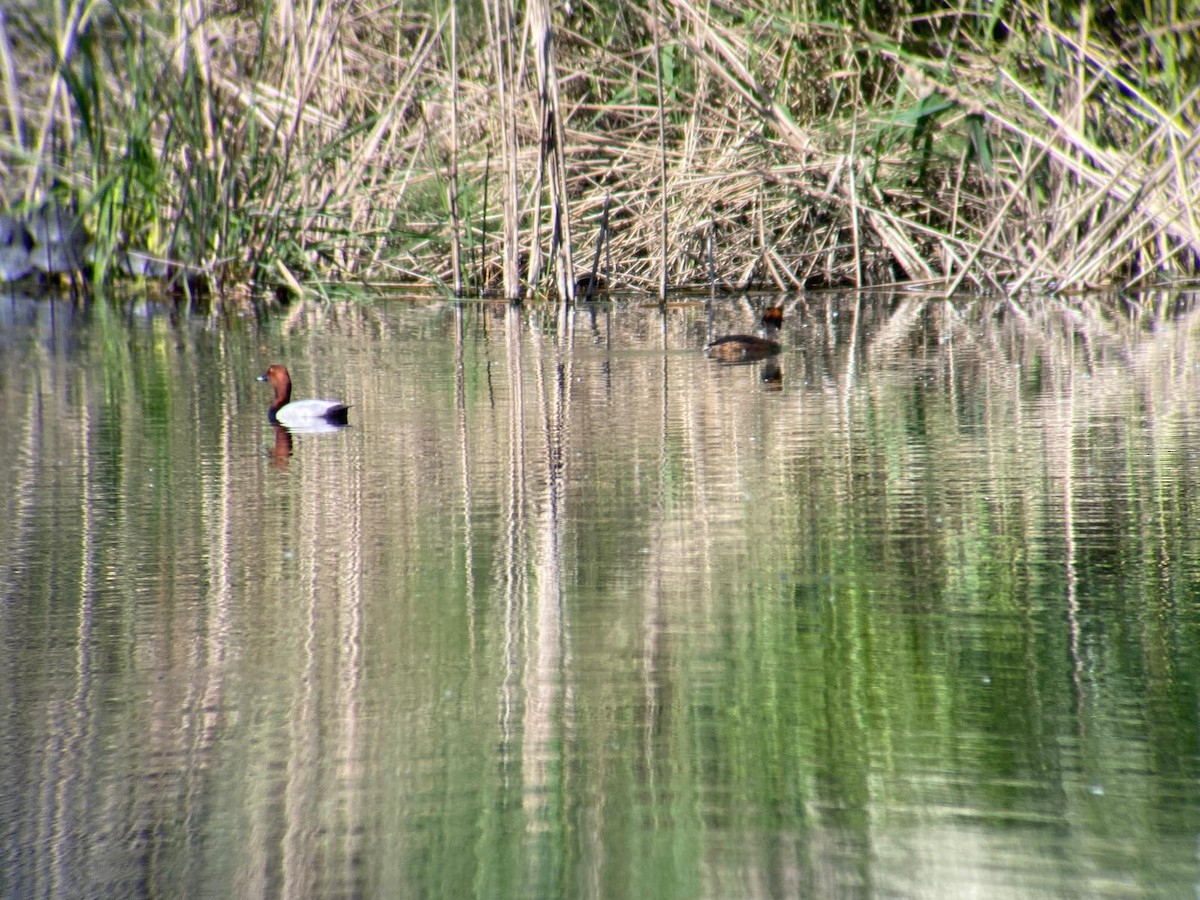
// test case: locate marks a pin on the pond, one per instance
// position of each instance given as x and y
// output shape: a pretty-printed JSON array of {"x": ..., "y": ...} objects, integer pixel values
[{"x": 571, "y": 610}]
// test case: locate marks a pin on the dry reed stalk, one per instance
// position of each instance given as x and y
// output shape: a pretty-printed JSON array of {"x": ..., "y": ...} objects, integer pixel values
[
  {"x": 551, "y": 151},
  {"x": 65, "y": 41},
  {"x": 852, "y": 182},
  {"x": 455, "y": 224},
  {"x": 724, "y": 54},
  {"x": 402, "y": 99},
  {"x": 500, "y": 23},
  {"x": 655, "y": 26},
  {"x": 12, "y": 95},
  {"x": 601, "y": 243},
  {"x": 565, "y": 261},
  {"x": 192, "y": 39}
]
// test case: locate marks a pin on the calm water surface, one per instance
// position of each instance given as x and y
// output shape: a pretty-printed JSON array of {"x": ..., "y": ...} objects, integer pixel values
[{"x": 572, "y": 611}]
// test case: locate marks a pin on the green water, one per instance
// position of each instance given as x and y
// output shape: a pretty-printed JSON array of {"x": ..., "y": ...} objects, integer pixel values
[{"x": 572, "y": 611}]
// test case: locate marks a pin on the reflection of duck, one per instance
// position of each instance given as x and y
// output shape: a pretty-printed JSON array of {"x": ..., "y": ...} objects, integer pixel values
[
  {"x": 282, "y": 450},
  {"x": 300, "y": 414},
  {"x": 735, "y": 348},
  {"x": 771, "y": 376}
]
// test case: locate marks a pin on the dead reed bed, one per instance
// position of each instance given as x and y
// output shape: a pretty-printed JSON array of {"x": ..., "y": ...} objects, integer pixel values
[{"x": 481, "y": 146}]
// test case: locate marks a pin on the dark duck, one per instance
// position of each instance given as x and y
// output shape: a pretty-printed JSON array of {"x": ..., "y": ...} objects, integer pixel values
[{"x": 735, "y": 348}]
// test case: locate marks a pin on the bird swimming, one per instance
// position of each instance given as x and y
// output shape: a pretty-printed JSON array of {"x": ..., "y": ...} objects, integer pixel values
[
  {"x": 300, "y": 413},
  {"x": 735, "y": 348}
]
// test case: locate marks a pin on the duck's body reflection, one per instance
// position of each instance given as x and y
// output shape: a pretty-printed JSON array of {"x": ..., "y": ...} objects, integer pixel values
[{"x": 281, "y": 452}]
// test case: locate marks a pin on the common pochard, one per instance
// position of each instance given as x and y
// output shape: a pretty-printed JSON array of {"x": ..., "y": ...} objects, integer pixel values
[{"x": 300, "y": 414}]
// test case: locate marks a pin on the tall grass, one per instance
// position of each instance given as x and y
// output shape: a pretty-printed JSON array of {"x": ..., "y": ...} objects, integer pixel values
[{"x": 999, "y": 146}]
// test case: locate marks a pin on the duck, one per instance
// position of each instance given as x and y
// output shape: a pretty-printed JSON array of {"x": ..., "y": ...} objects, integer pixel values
[
  {"x": 735, "y": 348},
  {"x": 301, "y": 414}
]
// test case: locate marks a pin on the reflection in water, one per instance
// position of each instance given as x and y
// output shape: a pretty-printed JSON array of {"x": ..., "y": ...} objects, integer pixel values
[
  {"x": 571, "y": 610},
  {"x": 281, "y": 450},
  {"x": 771, "y": 375}
]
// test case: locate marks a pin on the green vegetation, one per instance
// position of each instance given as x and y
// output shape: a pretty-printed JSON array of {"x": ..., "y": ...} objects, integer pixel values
[{"x": 1007, "y": 144}]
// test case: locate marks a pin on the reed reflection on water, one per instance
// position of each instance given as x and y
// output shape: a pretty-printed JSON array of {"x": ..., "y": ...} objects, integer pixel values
[{"x": 570, "y": 609}]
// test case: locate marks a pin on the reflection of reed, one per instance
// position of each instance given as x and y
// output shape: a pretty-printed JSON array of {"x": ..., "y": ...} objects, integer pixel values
[
  {"x": 68, "y": 756},
  {"x": 653, "y": 651},
  {"x": 465, "y": 457},
  {"x": 511, "y": 580},
  {"x": 350, "y": 753},
  {"x": 544, "y": 628}
]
